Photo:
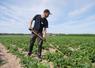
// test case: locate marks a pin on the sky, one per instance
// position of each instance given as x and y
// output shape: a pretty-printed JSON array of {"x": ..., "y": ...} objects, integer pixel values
[{"x": 68, "y": 16}]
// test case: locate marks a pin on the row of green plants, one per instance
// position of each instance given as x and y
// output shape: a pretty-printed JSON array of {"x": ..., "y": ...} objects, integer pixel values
[{"x": 77, "y": 51}]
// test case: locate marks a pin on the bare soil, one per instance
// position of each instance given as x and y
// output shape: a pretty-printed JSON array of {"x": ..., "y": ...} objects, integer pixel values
[{"x": 11, "y": 61}]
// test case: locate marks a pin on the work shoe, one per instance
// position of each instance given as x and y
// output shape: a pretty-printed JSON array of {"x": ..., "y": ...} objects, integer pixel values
[
  {"x": 29, "y": 53},
  {"x": 40, "y": 57}
]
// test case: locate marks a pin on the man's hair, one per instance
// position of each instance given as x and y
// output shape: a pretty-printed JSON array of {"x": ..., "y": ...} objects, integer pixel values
[{"x": 47, "y": 11}]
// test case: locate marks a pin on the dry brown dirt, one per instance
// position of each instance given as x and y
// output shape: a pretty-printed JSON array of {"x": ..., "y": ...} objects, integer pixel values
[{"x": 11, "y": 60}]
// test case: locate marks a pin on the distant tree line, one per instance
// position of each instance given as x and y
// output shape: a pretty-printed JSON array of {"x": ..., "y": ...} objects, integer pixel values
[{"x": 50, "y": 34}]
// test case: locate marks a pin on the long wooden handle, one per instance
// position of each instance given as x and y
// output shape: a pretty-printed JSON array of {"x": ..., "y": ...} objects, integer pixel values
[{"x": 36, "y": 34}]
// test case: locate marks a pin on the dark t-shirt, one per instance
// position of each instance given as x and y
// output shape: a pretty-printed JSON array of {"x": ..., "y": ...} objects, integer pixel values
[{"x": 40, "y": 23}]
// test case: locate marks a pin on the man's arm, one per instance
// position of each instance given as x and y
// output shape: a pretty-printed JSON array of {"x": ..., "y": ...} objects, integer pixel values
[
  {"x": 30, "y": 24},
  {"x": 44, "y": 33},
  {"x": 45, "y": 29}
]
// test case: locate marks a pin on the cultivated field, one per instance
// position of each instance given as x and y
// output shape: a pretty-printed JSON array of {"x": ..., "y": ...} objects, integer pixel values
[{"x": 58, "y": 52}]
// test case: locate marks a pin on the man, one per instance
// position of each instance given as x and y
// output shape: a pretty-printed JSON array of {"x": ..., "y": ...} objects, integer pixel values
[{"x": 40, "y": 27}]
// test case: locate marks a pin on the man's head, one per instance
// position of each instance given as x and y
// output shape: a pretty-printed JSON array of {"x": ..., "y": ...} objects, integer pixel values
[{"x": 46, "y": 13}]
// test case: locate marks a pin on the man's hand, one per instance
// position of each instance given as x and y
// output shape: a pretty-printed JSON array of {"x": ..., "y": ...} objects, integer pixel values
[
  {"x": 44, "y": 39},
  {"x": 30, "y": 28}
]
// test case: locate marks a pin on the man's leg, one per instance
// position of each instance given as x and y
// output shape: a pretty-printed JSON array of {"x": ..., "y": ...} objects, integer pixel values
[
  {"x": 32, "y": 41},
  {"x": 40, "y": 42}
]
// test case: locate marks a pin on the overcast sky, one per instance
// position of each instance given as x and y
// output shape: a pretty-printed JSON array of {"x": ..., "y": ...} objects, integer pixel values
[{"x": 68, "y": 16}]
